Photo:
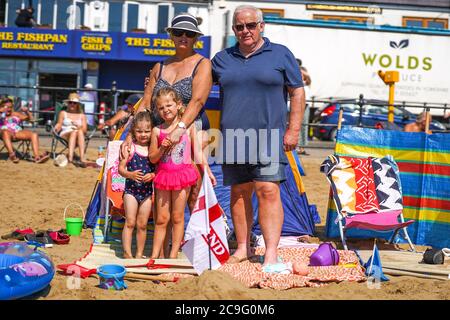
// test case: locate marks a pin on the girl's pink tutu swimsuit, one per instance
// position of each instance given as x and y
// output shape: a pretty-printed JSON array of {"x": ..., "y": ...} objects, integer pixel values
[{"x": 175, "y": 171}]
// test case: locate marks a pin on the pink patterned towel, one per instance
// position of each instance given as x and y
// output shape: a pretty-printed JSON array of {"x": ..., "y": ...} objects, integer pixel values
[{"x": 250, "y": 272}]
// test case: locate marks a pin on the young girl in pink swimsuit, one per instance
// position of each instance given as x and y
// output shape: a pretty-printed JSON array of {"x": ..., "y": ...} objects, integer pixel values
[{"x": 175, "y": 172}]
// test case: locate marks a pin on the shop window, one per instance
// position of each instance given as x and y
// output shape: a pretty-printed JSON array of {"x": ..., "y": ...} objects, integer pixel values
[
  {"x": 80, "y": 13},
  {"x": 163, "y": 18},
  {"x": 273, "y": 13},
  {"x": 180, "y": 7},
  {"x": 6, "y": 64},
  {"x": 13, "y": 6},
  {"x": 133, "y": 16},
  {"x": 63, "y": 14},
  {"x": 2, "y": 12},
  {"x": 46, "y": 17},
  {"x": 425, "y": 22},
  {"x": 115, "y": 16},
  {"x": 342, "y": 18},
  {"x": 26, "y": 79}
]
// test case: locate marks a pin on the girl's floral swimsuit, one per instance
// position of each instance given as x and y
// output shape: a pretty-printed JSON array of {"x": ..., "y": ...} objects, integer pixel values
[{"x": 139, "y": 190}]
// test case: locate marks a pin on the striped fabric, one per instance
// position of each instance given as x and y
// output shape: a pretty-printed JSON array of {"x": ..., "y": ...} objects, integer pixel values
[
  {"x": 424, "y": 164},
  {"x": 117, "y": 223}
]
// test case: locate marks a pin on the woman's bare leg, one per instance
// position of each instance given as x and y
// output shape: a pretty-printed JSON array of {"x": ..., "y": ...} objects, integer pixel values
[{"x": 81, "y": 144}]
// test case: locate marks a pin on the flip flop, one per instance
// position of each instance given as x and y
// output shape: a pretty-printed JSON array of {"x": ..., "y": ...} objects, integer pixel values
[
  {"x": 59, "y": 237},
  {"x": 80, "y": 164},
  {"x": 42, "y": 158},
  {"x": 41, "y": 237},
  {"x": 13, "y": 157},
  {"x": 278, "y": 268},
  {"x": 18, "y": 234}
]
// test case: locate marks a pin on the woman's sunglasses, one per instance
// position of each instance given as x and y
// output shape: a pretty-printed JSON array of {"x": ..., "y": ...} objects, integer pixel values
[
  {"x": 180, "y": 32},
  {"x": 249, "y": 26}
]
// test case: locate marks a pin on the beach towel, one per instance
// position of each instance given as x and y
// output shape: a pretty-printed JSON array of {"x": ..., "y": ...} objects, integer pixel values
[
  {"x": 352, "y": 182},
  {"x": 387, "y": 181},
  {"x": 250, "y": 274}
]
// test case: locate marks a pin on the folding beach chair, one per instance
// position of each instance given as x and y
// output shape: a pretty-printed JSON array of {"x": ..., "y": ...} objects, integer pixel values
[
  {"x": 367, "y": 194},
  {"x": 22, "y": 148},
  {"x": 58, "y": 140}
]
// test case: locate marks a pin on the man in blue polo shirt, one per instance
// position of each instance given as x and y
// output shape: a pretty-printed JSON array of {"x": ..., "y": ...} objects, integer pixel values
[{"x": 255, "y": 77}]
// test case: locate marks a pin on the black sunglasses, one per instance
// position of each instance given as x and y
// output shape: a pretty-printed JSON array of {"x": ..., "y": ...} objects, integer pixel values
[
  {"x": 180, "y": 32},
  {"x": 249, "y": 26}
]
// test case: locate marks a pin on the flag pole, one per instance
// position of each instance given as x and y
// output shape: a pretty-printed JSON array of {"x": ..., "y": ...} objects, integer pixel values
[
  {"x": 205, "y": 190},
  {"x": 373, "y": 256}
]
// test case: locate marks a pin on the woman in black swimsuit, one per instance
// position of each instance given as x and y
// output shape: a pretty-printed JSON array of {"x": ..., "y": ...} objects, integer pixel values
[{"x": 189, "y": 73}]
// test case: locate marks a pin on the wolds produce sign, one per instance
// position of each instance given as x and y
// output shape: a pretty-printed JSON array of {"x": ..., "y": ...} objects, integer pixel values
[{"x": 344, "y": 62}]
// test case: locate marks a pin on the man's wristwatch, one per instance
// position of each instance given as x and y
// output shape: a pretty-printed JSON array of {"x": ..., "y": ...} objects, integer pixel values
[{"x": 181, "y": 125}]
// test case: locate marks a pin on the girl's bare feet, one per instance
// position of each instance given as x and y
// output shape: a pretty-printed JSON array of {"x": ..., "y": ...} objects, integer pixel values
[{"x": 127, "y": 256}]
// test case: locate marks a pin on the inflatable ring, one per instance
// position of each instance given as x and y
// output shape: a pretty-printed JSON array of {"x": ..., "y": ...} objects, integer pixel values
[{"x": 23, "y": 270}]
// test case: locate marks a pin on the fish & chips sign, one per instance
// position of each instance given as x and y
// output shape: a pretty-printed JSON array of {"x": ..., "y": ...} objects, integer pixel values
[{"x": 90, "y": 44}]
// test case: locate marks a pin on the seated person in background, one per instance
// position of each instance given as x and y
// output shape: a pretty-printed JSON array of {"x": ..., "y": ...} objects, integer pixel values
[
  {"x": 11, "y": 130},
  {"x": 72, "y": 126},
  {"x": 121, "y": 117},
  {"x": 25, "y": 18},
  {"x": 419, "y": 124}
]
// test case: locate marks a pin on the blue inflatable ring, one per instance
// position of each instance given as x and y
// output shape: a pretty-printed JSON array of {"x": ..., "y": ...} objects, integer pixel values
[{"x": 24, "y": 270}]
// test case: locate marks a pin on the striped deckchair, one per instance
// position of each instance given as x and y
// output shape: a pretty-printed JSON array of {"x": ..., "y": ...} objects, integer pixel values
[{"x": 424, "y": 164}]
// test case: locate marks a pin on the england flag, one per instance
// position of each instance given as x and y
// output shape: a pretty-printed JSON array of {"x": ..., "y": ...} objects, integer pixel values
[{"x": 206, "y": 244}]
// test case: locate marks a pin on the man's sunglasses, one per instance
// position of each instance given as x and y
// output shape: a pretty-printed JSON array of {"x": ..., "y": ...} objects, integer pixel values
[
  {"x": 180, "y": 32},
  {"x": 249, "y": 26}
]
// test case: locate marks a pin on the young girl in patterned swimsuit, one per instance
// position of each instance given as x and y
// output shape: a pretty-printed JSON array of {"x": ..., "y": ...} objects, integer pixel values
[
  {"x": 137, "y": 197},
  {"x": 175, "y": 173}
]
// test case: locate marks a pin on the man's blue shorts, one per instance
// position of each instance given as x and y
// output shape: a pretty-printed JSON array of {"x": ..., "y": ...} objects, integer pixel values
[{"x": 243, "y": 173}]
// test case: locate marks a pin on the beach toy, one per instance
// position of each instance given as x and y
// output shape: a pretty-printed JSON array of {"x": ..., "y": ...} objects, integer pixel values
[
  {"x": 325, "y": 255},
  {"x": 23, "y": 270},
  {"x": 111, "y": 276},
  {"x": 74, "y": 225},
  {"x": 300, "y": 268}
]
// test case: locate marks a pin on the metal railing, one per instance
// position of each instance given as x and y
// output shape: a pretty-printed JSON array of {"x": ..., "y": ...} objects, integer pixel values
[
  {"x": 113, "y": 93},
  {"x": 361, "y": 102}
]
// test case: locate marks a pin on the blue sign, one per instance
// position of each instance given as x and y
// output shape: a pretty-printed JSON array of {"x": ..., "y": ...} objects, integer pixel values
[{"x": 77, "y": 44}]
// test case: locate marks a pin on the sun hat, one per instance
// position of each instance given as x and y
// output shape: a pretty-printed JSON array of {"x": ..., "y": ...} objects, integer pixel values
[
  {"x": 73, "y": 97},
  {"x": 133, "y": 98},
  {"x": 184, "y": 21},
  {"x": 61, "y": 160}
]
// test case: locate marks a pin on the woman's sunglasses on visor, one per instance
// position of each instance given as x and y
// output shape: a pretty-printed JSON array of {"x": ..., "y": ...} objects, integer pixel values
[
  {"x": 180, "y": 32},
  {"x": 249, "y": 26}
]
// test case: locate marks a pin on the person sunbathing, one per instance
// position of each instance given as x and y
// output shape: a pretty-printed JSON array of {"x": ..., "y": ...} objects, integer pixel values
[
  {"x": 72, "y": 127},
  {"x": 11, "y": 130},
  {"x": 419, "y": 125}
]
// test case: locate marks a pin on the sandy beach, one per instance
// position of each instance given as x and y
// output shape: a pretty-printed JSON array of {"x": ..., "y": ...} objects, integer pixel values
[{"x": 35, "y": 196}]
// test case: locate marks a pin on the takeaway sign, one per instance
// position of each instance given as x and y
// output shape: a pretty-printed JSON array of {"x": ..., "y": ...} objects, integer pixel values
[{"x": 155, "y": 45}]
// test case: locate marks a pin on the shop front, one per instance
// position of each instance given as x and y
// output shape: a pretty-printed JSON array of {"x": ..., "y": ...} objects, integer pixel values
[{"x": 72, "y": 58}]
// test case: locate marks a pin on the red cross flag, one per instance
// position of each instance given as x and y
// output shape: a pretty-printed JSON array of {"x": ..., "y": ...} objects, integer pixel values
[{"x": 206, "y": 244}]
